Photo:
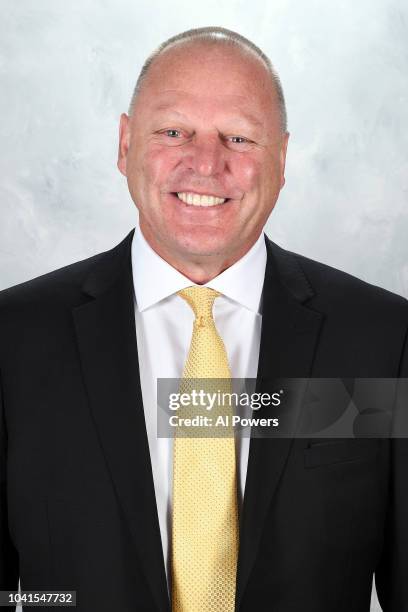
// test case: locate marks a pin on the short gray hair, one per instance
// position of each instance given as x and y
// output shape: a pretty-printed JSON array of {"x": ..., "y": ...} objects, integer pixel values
[{"x": 215, "y": 35}]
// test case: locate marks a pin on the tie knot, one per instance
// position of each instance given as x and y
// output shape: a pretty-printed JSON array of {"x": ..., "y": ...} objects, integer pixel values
[{"x": 201, "y": 300}]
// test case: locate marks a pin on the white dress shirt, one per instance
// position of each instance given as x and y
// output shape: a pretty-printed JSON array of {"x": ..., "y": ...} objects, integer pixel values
[{"x": 164, "y": 323}]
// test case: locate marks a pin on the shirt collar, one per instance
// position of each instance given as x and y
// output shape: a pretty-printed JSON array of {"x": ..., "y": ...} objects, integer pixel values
[{"x": 154, "y": 279}]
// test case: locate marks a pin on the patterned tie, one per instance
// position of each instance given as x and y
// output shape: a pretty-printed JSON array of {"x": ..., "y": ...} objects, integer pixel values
[{"x": 205, "y": 531}]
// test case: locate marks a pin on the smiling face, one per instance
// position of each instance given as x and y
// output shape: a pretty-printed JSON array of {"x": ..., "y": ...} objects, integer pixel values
[{"x": 203, "y": 153}]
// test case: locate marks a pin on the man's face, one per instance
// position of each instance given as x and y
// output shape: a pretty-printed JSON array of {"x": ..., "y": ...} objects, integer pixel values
[{"x": 203, "y": 152}]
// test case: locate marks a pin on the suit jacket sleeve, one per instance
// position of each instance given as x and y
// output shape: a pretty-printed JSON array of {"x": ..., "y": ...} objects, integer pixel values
[
  {"x": 9, "y": 572},
  {"x": 392, "y": 571}
]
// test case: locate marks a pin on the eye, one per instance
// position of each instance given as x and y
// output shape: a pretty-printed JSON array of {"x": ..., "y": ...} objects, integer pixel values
[
  {"x": 171, "y": 133},
  {"x": 171, "y": 137},
  {"x": 238, "y": 143},
  {"x": 238, "y": 140}
]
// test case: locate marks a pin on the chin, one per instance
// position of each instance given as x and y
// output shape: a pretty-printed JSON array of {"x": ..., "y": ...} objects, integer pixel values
[{"x": 203, "y": 242}]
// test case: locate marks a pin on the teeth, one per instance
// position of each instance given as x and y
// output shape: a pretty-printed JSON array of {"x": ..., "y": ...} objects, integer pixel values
[{"x": 200, "y": 200}]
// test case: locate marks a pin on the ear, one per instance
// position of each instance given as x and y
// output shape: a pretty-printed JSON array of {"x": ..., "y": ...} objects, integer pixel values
[
  {"x": 124, "y": 139},
  {"x": 284, "y": 148}
]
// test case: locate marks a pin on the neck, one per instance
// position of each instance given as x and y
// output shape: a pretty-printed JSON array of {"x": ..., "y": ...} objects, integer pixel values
[{"x": 200, "y": 269}]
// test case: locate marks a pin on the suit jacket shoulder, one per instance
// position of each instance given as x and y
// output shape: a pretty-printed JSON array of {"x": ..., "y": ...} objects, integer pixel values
[
  {"x": 42, "y": 307},
  {"x": 330, "y": 288},
  {"x": 65, "y": 284}
]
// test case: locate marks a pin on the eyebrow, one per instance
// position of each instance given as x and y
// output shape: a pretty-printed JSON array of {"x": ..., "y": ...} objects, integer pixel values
[{"x": 248, "y": 117}]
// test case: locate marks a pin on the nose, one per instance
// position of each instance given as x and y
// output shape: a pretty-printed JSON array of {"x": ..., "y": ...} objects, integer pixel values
[{"x": 206, "y": 156}]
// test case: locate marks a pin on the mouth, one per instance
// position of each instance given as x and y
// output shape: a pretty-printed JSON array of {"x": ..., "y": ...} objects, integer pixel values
[{"x": 196, "y": 199}]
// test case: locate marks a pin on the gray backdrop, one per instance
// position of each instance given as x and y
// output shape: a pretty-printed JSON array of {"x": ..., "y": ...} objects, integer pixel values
[{"x": 67, "y": 71}]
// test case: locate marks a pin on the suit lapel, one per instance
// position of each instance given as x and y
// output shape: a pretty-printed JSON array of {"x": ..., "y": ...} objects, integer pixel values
[
  {"x": 106, "y": 335},
  {"x": 288, "y": 340}
]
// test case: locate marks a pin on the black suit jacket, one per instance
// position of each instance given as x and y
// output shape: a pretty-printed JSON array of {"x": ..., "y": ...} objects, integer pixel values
[{"x": 77, "y": 499}]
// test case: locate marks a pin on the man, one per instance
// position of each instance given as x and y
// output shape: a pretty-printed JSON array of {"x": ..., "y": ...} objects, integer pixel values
[{"x": 87, "y": 486}]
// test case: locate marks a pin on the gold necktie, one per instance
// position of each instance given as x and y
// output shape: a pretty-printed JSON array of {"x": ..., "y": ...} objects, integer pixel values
[{"x": 205, "y": 530}]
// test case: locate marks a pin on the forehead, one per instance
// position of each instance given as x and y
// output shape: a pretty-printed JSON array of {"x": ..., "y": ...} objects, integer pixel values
[
  {"x": 208, "y": 75},
  {"x": 182, "y": 105}
]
